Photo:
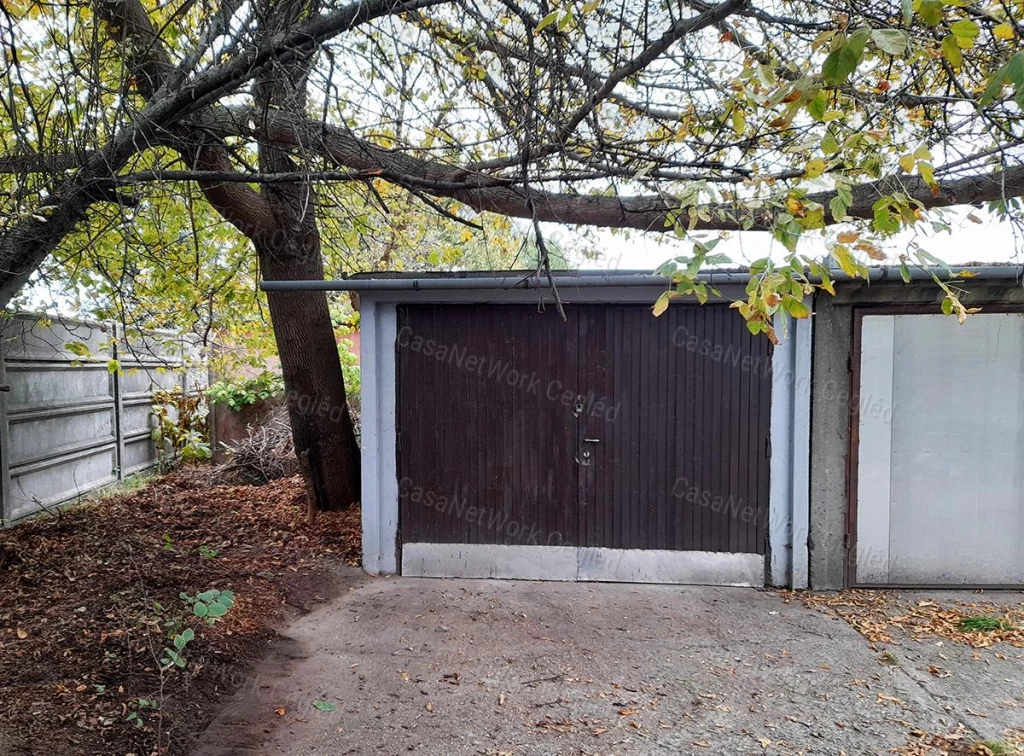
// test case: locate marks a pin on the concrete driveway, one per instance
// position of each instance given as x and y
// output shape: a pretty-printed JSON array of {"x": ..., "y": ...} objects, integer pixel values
[{"x": 501, "y": 667}]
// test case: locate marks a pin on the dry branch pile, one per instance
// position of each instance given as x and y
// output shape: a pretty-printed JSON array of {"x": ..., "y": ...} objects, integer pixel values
[{"x": 267, "y": 454}]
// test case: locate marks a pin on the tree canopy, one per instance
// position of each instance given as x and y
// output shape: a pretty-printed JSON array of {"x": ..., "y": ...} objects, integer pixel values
[
  {"x": 279, "y": 119},
  {"x": 781, "y": 116}
]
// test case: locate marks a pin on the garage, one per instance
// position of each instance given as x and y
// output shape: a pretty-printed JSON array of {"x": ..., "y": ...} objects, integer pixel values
[
  {"x": 502, "y": 440},
  {"x": 938, "y": 495}
]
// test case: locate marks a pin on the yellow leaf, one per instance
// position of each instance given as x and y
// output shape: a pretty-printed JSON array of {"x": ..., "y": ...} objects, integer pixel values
[
  {"x": 1003, "y": 31},
  {"x": 739, "y": 121},
  {"x": 794, "y": 205},
  {"x": 927, "y": 172},
  {"x": 848, "y": 237},
  {"x": 907, "y": 163},
  {"x": 846, "y": 260},
  {"x": 661, "y": 304},
  {"x": 814, "y": 168},
  {"x": 22, "y": 634}
]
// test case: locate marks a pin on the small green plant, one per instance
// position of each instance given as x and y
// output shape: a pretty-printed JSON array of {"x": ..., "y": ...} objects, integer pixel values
[
  {"x": 983, "y": 623},
  {"x": 181, "y": 430},
  {"x": 997, "y": 748},
  {"x": 350, "y": 372},
  {"x": 889, "y": 659},
  {"x": 240, "y": 394},
  {"x": 137, "y": 707},
  {"x": 173, "y": 656},
  {"x": 210, "y": 605},
  {"x": 208, "y": 552},
  {"x": 167, "y": 543}
]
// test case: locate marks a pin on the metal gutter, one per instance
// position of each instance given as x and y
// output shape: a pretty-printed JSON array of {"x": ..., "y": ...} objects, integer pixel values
[{"x": 588, "y": 279}]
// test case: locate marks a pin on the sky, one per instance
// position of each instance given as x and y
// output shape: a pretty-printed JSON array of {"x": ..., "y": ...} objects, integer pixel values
[{"x": 988, "y": 241}]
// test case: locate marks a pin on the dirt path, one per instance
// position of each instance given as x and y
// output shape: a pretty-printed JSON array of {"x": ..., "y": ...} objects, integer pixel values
[{"x": 491, "y": 667}]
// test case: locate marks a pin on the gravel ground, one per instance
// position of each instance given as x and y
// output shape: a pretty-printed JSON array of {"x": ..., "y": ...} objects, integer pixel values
[{"x": 502, "y": 667}]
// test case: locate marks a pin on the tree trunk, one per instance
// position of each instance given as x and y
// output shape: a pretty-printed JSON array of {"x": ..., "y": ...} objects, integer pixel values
[
  {"x": 322, "y": 428},
  {"x": 288, "y": 245}
]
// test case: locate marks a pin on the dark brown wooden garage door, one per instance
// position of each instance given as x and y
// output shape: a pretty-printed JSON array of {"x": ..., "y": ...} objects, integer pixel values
[{"x": 613, "y": 429}]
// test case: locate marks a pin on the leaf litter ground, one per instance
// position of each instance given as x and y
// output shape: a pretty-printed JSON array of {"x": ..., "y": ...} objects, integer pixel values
[
  {"x": 886, "y": 617},
  {"x": 85, "y": 592}
]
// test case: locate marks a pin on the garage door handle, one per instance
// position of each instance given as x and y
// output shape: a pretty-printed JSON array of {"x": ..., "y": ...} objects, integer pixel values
[{"x": 591, "y": 440}]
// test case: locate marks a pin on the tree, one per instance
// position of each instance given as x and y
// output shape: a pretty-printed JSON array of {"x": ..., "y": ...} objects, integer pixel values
[{"x": 853, "y": 119}]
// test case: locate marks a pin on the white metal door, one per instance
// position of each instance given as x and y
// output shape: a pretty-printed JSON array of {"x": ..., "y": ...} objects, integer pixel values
[{"x": 940, "y": 476}]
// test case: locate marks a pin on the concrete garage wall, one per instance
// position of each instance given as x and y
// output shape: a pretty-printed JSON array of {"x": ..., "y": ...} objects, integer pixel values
[
  {"x": 68, "y": 425},
  {"x": 830, "y": 442}
]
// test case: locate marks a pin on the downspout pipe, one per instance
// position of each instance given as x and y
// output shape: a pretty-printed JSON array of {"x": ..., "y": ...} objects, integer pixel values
[{"x": 586, "y": 279}]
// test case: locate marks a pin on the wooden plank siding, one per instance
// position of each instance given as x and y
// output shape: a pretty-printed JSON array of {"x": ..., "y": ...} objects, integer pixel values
[{"x": 496, "y": 404}]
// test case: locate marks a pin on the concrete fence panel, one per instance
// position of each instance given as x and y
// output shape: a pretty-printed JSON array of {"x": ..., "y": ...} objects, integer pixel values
[{"x": 70, "y": 421}]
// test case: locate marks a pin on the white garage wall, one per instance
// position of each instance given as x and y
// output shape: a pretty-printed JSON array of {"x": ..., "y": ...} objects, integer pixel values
[{"x": 940, "y": 480}]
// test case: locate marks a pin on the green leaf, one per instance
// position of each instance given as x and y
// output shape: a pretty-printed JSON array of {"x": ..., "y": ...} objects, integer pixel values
[
  {"x": 892, "y": 41},
  {"x": 931, "y": 12},
  {"x": 951, "y": 50},
  {"x": 546, "y": 22},
  {"x": 965, "y": 28},
  {"x": 816, "y": 107},
  {"x": 789, "y": 234},
  {"x": 216, "y": 610},
  {"x": 857, "y": 41},
  {"x": 838, "y": 208},
  {"x": 905, "y": 272},
  {"x": 200, "y": 609},
  {"x": 795, "y": 307},
  {"x": 839, "y": 65},
  {"x": 324, "y": 706}
]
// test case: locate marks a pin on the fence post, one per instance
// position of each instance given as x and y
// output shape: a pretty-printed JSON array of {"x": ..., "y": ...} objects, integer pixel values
[
  {"x": 5, "y": 443},
  {"x": 118, "y": 405}
]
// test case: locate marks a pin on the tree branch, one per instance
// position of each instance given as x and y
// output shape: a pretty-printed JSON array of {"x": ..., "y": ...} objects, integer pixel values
[{"x": 644, "y": 213}]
